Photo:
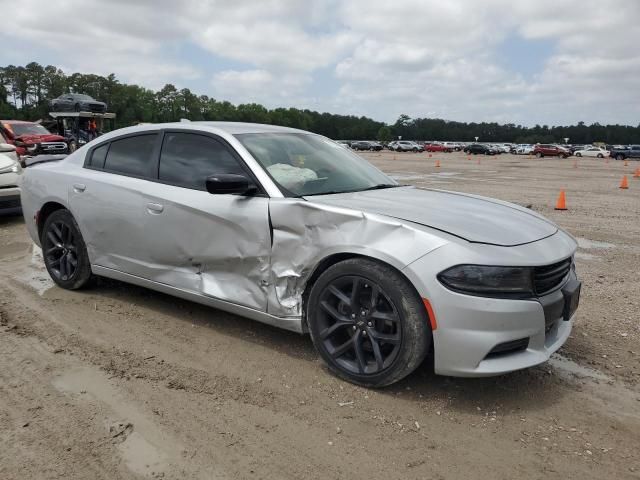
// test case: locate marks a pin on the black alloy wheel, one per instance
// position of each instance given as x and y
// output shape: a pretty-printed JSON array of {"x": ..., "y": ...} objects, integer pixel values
[
  {"x": 367, "y": 322},
  {"x": 359, "y": 326},
  {"x": 64, "y": 251}
]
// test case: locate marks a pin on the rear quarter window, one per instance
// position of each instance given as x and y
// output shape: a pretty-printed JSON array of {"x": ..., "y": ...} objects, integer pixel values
[{"x": 98, "y": 156}]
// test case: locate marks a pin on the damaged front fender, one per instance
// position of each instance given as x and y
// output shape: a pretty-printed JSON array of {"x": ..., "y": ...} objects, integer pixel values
[{"x": 305, "y": 233}]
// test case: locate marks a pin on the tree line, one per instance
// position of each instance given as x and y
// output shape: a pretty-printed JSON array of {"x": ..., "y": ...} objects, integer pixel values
[{"x": 26, "y": 90}]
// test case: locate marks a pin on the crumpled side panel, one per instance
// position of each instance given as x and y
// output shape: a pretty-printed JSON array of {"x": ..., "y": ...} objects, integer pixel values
[{"x": 305, "y": 232}]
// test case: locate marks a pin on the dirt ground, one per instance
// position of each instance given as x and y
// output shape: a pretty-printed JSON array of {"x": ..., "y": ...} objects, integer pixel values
[{"x": 120, "y": 382}]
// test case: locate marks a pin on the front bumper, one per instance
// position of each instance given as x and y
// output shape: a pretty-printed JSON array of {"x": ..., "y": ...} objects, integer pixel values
[
  {"x": 10, "y": 200},
  {"x": 471, "y": 328}
]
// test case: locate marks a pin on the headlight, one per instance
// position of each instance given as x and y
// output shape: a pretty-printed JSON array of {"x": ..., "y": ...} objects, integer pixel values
[{"x": 489, "y": 281}]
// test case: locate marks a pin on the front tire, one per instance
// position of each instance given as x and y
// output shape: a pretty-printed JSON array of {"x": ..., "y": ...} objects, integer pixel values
[
  {"x": 368, "y": 323},
  {"x": 64, "y": 251},
  {"x": 619, "y": 157},
  {"x": 538, "y": 155},
  {"x": 578, "y": 154}
]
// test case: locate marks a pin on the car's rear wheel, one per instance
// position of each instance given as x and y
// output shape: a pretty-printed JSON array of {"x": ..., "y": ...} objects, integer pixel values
[
  {"x": 619, "y": 157},
  {"x": 538, "y": 155},
  {"x": 368, "y": 323},
  {"x": 600, "y": 155},
  {"x": 64, "y": 251},
  {"x": 578, "y": 154}
]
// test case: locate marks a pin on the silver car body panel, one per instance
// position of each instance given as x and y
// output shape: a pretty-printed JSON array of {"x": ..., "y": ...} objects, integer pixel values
[{"x": 255, "y": 256}]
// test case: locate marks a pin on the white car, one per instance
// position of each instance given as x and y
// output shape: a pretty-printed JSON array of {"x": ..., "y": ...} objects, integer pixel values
[
  {"x": 592, "y": 152},
  {"x": 10, "y": 172},
  {"x": 524, "y": 149},
  {"x": 288, "y": 228}
]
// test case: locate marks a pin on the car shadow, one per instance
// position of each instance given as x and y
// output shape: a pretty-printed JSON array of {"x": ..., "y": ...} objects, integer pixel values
[{"x": 521, "y": 391}]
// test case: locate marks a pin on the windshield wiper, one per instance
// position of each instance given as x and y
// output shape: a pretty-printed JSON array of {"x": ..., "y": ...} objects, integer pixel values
[{"x": 380, "y": 186}]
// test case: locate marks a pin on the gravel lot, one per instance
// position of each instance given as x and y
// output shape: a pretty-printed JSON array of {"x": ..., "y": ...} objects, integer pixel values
[{"x": 122, "y": 382}]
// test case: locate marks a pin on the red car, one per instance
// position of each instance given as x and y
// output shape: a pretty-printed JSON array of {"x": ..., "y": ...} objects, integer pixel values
[
  {"x": 546, "y": 150},
  {"x": 31, "y": 138},
  {"x": 436, "y": 147}
]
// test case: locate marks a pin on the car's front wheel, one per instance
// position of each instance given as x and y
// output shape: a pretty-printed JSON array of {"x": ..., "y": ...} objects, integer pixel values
[
  {"x": 538, "y": 155},
  {"x": 578, "y": 154},
  {"x": 368, "y": 323},
  {"x": 619, "y": 157},
  {"x": 64, "y": 251}
]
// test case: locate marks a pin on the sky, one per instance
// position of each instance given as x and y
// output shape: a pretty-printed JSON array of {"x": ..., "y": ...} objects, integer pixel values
[{"x": 547, "y": 62}]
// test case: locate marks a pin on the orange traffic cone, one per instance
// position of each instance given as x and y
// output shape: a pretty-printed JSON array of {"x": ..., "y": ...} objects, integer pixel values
[
  {"x": 561, "y": 203},
  {"x": 430, "y": 155},
  {"x": 624, "y": 184},
  {"x": 626, "y": 162},
  {"x": 437, "y": 163},
  {"x": 636, "y": 174}
]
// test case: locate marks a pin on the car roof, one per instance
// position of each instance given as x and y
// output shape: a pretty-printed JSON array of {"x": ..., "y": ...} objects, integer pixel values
[
  {"x": 241, "y": 127},
  {"x": 15, "y": 121}
]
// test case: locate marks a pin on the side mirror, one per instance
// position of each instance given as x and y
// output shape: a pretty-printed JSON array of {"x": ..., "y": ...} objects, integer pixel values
[
  {"x": 7, "y": 148},
  {"x": 226, "y": 183}
]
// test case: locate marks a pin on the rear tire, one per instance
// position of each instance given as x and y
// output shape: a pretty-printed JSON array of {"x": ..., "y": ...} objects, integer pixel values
[
  {"x": 600, "y": 155},
  {"x": 539, "y": 155},
  {"x": 578, "y": 154},
  {"x": 64, "y": 251},
  {"x": 368, "y": 323},
  {"x": 619, "y": 157}
]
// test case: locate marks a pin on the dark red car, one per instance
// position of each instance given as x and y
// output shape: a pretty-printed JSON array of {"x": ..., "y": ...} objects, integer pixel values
[
  {"x": 31, "y": 138},
  {"x": 436, "y": 147},
  {"x": 546, "y": 150}
]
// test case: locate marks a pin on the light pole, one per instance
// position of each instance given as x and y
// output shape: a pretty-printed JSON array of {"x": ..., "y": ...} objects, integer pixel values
[{"x": 476, "y": 139}]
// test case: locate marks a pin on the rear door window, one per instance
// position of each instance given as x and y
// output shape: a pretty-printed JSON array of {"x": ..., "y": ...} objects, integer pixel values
[{"x": 131, "y": 155}]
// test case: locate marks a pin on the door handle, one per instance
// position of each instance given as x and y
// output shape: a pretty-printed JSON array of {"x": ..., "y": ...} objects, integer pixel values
[
  {"x": 155, "y": 208},
  {"x": 79, "y": 187}
]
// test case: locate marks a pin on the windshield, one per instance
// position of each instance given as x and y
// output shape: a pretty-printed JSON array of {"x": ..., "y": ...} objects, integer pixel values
[
  {"x": 305, "y": 164},
  {"x": 28, "y": 129}
]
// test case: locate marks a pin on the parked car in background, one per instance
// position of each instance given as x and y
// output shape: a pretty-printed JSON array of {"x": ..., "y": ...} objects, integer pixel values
[
  {"x": 523, "y": 149},
  {"x": 548, "y": 150},
  {"x": 10, "y": 171},
  {"x": 77, "y": 102},
  {"x": 344, "y": 143},
  {"x": 501, "y": 147},
  {"x": 479, "y": 148},
  {"x": 436, "y": 147},
  {"x": 379, "y": 274},
  {"x": 366, "y": 145},
  {"x": 632, "y": 151},
  {"x": 592, "y": 152},
  {"x": 32, "y": 138},
  {"x": 452, "y": 146},
  {"x": 405, "y": 146}
]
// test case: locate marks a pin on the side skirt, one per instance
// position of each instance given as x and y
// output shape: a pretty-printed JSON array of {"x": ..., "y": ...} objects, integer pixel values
[{"x": 293, "y": 324}]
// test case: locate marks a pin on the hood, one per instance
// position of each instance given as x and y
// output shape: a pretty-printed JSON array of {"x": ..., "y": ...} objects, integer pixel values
[
  {"x": 30, "y": 139},
  {"x": 6, "y": 161},
  {"x": 472, "y": 218}
]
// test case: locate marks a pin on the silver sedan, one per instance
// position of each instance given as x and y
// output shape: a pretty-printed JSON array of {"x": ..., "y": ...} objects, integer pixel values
[{"x": 289, "y": 228}]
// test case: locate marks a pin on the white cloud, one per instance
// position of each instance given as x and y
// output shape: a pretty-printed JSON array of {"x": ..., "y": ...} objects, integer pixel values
[{"x": 387, "y": 58}]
